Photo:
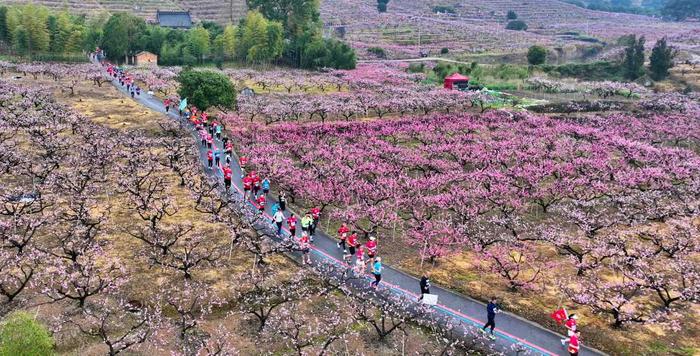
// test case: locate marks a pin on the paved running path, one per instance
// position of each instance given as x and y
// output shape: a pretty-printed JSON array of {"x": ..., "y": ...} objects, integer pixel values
[{"x": 510, "y": 328}]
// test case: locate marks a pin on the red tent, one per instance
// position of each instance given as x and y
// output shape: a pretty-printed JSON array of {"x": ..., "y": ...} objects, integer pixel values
[{"x": 453, "y": 79}]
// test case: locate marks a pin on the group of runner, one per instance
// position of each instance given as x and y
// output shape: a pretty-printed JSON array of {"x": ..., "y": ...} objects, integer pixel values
[{"x": 124, "y": 79}]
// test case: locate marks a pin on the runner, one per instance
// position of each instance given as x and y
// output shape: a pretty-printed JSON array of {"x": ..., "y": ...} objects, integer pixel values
[
  {"x": 247, "y": 186},
  {"x": 292, "y": 223},
  {"x": 217, "y": 157},
  {"x": 352, "y": 243},
  {"x": 210, "y": 141},
  {"x": 306, "y": 223},
  {"x": 242, "y": 162},
  {"x": 256, "y": 183},
  {"x": 228, "y": 146},
  {"x": 228, "y": 159},
  {"x": 570, "y": 328},
  {"x": 218, "y": 131},
  {"x": 377, "y": 272},
  {"x": 360, "y": 261},
  {"x": 279, "y": 219},
  {"x": 282, "y": 198},
  {"x": 266, "y": 186},
  {"x": 166, "y": 103},
  {"x": 424, "y": 284},
  {"x": 261, "y": 203},
  {"x": 371, "y": 248},
  {"x": 316, "y": 215},
  {"x": 210, "y": 158},
  {"x": 305, "y": 248},
  {"x": 227, "y": 177},
  {"x": 491, "y": 309},
  {"x": 342, "y": 235},
  {"x": 574, "y": 343}
]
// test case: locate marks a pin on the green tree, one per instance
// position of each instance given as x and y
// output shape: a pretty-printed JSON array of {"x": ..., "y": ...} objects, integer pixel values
[
  {"x": 228, "y": 41},
  {"x": 21, "y": 335},
  {"x": 681, "y": 9},
  {"x": 153, "y": 38},
  {"x": 516, "y": 25},
  {"x": 121, "y": 35},
  {"x": 94, "y": 27},
  {"x": 297, "y": 16},
  {"x": 198, "y": 42},
  {"x": 28, "y": 28},
  {"x": 633, "y": 63},
  {"x": 4, "y": 34},
  {"x": 328, "y": 53},
  {"x": 661, "y": 59},
  {"x": 536, "y": 55},
  {"x": 205, "y": 89},
  {"x": 511, "y": 15},
  {"x": 382, "y": 5}
]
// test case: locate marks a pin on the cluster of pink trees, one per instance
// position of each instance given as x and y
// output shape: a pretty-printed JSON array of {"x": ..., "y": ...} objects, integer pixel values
[
  {"x": 160, "y": 80},
  {"x": 604, "y": 89},
  {"x": 351, "y": 105},
  {"x": 511, "y": 188}
]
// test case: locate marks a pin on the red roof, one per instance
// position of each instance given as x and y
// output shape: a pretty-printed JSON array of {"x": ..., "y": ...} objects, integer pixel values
[{"x": 456, "y": 77}]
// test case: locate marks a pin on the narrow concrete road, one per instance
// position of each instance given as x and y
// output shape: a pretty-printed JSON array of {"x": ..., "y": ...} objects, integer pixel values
[{"x": 510, "y": 328}]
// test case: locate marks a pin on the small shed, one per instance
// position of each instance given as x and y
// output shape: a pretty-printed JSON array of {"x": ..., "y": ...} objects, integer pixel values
[
  {"x": 457, "y": 80},
  {"x": 174, "y": 19},
  {"x": 145, "y": 58}
]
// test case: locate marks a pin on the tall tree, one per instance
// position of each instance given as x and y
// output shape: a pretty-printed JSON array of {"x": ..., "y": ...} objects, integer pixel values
[
  {"x": 4, "y": 35},
  {"x": 536, "y": 55},
  {"x": 661, "y": 59},
  {"x": 121, "y": 34},
  {"x": 229, "y": 41},
  {"x": 198, "y": 41},
  {"x": 633, "y": 62},
  {"x": 28, "y": 27},
  {"x": 296, "y": 15}
]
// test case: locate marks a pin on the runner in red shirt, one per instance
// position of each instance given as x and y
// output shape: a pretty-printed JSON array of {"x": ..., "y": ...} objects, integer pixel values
[
  {"x": 227, "y": 177},
  {"x": 229, "y": 147},
  {"x": 316, "y": 215},
  {"x": 305, "y": 247},
  {"x": 210, "y": 158},
  {"x": 371, "y": 246},
  {"x": 574, "y": 343},
  {"x": 256, "y": 183},
  {"x": 210, "y": 141},
  {"x": 352, "y": 243},
  {"x": 342, "y": 235},
  {"x": 570, "y": 327},
  {"x": 242, "y": 162},
  {"x": 292, "y": 223},
  {"x": 261, "y": 203},
  {"x": 247, "y": 186}
]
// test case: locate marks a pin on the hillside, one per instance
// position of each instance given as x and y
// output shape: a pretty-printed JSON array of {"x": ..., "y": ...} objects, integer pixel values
[{"x": 479, "y": 26}]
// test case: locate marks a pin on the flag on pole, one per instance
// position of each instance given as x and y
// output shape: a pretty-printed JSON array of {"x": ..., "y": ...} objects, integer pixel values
[
  {"x": 183, "y": 104},
  {"x": 559, "y": 315}
]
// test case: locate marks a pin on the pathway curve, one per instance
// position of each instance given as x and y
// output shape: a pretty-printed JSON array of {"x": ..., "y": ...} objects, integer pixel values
[{"x": 511, "y": 329}]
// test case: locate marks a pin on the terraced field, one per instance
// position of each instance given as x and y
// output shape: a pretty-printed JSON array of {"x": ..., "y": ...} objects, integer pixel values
[{"x": 214, "y": 10}]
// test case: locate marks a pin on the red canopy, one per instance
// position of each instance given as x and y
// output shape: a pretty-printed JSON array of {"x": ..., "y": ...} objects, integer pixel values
[{"x": 454, "y": 78}]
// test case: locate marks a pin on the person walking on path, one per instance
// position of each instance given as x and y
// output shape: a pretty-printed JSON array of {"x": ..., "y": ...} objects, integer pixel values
[
  {"x": 227, "y": 177},
  {"x": 342, "y": 235},
  {"x": 279, "y": 220},
  {"x": 491, "y": 309},
  {"x": 242, "y": 162},
  {"x": 306, "y": 222},
  {"x": 574, "y": 343},
  {"x": 305, "y": 248},
  {"x": 570, "y": 328},
  {"x": 352, "y": 243},
  {"x": 282, "y": 199},
  {"x": 292, "y": 223},
  {"x": 218, "y": 132},
  {"x": 424, "y": 284},
  {"x": 266, "y": 186},
  {"x": 377, "y": 272},
  {"x": 371, "y": 246}
]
